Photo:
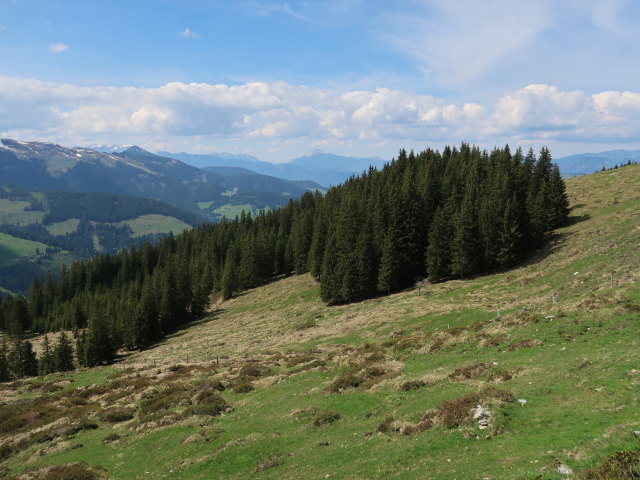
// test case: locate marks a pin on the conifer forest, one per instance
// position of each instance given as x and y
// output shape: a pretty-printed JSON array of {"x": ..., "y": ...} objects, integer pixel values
[{"x": 424, "y": 216}]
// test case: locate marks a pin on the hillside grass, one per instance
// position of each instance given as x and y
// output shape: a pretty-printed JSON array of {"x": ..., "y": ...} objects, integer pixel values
[
  {"x": 232, "y": 211},
  {"x": 376, "y": 389},
  {"x": 13, "y": 211},
  {"x": 12, "y": 248},
  {"x": 62, "y": 228},
  {"x": 154, "y": 223}
]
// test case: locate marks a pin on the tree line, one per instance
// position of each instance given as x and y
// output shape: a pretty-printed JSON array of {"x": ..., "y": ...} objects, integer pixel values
[{"x": 435, "y": 215}]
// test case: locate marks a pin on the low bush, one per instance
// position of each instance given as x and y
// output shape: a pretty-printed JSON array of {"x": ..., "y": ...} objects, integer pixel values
[
  {"x": 113, "y": 437},
  {"x": 165, "y": 399},
  {"x": 412, "y": 385},
  {"x": 117, "y": 414},
  {"x": 242, "y": 385},
  {"x": 74, "y": 471},
  {"x": 344, "y": 381},
  {"x": 326, "y": 418},
  {"x": 298, "y": 359},
  {"x": 622, "y": 465}
]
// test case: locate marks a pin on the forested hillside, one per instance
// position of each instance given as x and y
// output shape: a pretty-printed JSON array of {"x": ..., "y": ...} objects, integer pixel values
[
  {"x": 41, "y": 230},
  {"x": 432, "y": 215}
]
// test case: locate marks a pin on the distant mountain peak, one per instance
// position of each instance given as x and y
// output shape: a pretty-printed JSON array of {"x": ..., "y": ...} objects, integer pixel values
[
  {"x": 315, "y": 151},
  {"x": 135, "y": 150}
]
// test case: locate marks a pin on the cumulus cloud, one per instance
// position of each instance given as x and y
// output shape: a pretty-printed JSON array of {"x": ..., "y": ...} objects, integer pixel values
[
  {"x": 58, "y": 47},
  {"x": 188, "y": 33},
  {"x": 278, "y": 113}
]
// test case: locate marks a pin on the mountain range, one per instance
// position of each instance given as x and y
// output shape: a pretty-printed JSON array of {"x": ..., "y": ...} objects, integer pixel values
[
  {"x": 323, "y": 168},
  {"x": 137, "y": 172},
  {"x": 585, "y": 163}
]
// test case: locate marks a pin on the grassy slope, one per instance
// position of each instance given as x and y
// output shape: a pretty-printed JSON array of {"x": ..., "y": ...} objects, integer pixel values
[
  {"x": 574, "y": 360},
  {"x": 153, "y": 223},
  {"x": 12, "y": 248}
]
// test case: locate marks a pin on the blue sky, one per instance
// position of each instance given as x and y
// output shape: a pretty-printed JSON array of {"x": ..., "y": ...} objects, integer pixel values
[{"x": 278, "y": 79}]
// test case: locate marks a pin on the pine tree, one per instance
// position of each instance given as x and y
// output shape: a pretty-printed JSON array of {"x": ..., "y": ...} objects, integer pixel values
[
  {"x": 21, "y": 359},
  {"x": 389, "y": 272},
  {"x": 63, "y": 354},
  {"x": 559, "y": 199},
  {"x": 46, "y": 362},
  {"x": 508, "y": 236},
  {"x": 4, "y": 366},
  {"x": 229, "y": 280},
  {"x": 98, "y": 348},
  {"x": 438, "y": 253}
]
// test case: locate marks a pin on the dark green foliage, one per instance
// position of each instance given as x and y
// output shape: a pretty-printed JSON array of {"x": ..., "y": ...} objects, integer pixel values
[
  {"x": 46, "y": 362},
  {"x": 4, "y": 366},
  {"x": 21, "y": 359},
  {"x": 326, "y": 418},
  {"x": 117, "y": 414},
  {"x": 430, "y": 215},
  {"x": 74, "y": 471},
  {"x": 622, "y": 465}
]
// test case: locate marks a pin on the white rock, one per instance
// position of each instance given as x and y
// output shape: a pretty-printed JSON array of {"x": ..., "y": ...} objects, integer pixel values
[
  {"x": 577, "y": 273},
  {"x": 563, "y": 469},
  {"x": 481, "y": 412}
]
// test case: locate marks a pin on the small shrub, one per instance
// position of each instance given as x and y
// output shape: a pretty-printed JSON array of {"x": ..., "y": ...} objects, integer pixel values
[
  {"x": 407, "y": 344},
  {"x": 632, "y": 307},
  {"x": 308, "y": 366},
  {"x": 372, "y": 372},
  {"x": 455, "y": 413},
  {"x": 475, "y": 370},
  {"x": 165, "y": 399},
  {"x": 455, "y": 331},
  {"x": 114, "y": 437},
  {"x": 622, "y": 465},
  {"x": 208, "y": 402},
  {"x": 117, "y": 414},
  {"x": 74, "y": 471},
  {"x": 5, "y": 452},
  {"x": 385, "y": 426},
  {"x": 298, "y": 359},
  {"x": 243, "y": 385},
  {"x": 436, "y": 346},
  {"x": 412, "y": 385},
  {"x": 271, "y": 461},
  {"x": 344, "y": 381},
  {"x": 252, "y": 370},
  {"x": 84, "y": 424},
  {"x": 326, "y": 418}
]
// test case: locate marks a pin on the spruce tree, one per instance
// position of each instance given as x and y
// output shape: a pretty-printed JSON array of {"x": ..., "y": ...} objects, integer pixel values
[
  {"x": 229, "y": 280},
  {"x": 4, "y": 367},
  {"x": 389, "y": 271},
  {"x": 63, "y": 354},
  {"x": 46, "y": 362},
  {"x": 438, "y": 253}
]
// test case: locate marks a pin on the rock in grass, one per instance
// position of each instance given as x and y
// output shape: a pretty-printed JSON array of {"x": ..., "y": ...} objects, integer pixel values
[{"x": 563, "y": 469}]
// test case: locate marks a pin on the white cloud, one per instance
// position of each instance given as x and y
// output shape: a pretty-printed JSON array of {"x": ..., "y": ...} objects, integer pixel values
[
  {"x": 58, "y": 47},
  {"x": 188, "y": 33},
  {"x": 265, "y": 116}
]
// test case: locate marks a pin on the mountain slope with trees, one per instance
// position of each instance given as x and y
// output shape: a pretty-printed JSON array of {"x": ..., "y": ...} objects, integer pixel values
[
  {"x": 432, "y": 215},
  {"x": 137, "y": 172},
  {"x": 276, "y": 384}
]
